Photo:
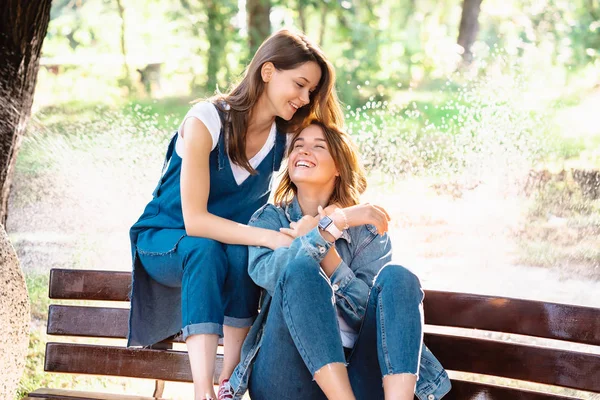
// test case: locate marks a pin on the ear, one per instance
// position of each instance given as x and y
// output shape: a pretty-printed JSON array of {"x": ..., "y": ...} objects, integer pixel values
[{"x": 266, "y": 71}]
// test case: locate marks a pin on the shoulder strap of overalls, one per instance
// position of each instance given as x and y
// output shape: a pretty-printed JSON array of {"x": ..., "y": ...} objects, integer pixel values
[
  {"x": 280, "y": 141},
  {"x": 221, "y": 147}
]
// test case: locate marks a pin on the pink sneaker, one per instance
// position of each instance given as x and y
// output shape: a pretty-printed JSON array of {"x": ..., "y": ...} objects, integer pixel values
[{"x": 225, "y": 391}]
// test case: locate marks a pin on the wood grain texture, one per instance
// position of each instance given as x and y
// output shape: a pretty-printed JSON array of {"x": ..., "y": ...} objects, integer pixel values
[
  {"x": 58, "y": 394},
  {"x": 464, "y": 390},
  {"x": 119, "y": 361},
  {"x": 529, "y": 363},
  {"x": 526, "y": 317}
]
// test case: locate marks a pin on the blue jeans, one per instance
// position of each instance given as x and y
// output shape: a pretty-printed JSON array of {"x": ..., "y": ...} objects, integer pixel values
[
  {"x": 302, "y": 335},
  {"x": 216, "y": 289}
]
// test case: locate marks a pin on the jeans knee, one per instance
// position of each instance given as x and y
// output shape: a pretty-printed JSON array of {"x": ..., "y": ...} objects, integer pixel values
[
  {"x": 202, "y": 253},
  {"x": 301, "y": 270},
  {"x": 401, "y": 280}
]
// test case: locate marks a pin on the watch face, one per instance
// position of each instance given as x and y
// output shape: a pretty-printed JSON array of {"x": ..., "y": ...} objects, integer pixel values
[{"x": 325, "y": 222}]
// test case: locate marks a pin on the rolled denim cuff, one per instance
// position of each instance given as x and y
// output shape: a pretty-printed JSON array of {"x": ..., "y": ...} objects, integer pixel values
[
  {"x": 204, "y": 328},
  {"x": 342, "y": 275},
  {"x": 238, "y": 322},
  {"x": 315, "y": 245}
]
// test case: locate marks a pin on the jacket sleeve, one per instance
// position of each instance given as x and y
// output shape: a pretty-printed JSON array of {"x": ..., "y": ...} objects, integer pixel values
[
  {"x": 265, "y": 266},
  {"x": 352, "y": 283}
]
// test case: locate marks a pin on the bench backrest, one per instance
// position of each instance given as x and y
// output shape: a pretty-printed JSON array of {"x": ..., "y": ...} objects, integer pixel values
[{"x": 461, "y": 350}]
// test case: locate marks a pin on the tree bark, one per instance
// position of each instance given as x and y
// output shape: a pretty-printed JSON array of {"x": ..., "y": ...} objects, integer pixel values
[
  {"x": 469, "y": 27},
  {"x": 14, "y": 319},
  {"x": 23, "y": 26},
  {"x": 259, "y": 24}
]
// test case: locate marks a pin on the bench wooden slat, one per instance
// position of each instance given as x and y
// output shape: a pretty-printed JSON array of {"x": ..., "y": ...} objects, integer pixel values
[
  {"x": 465, "y": 390},
  {"x": 119, "y": 361},
  {"x": 89, "y": 285},
  {"x": 529, "y": 363},
  {"x": 58, "y": 394},
  {"x": 104, "y": 322},
  {"x": 94, "y": 322},
  {"x": 549, "y": 366},
  {"x": 526, "y": 317}
]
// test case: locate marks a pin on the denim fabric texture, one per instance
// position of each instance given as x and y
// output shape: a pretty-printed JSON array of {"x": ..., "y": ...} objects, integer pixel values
[
  {"x": 182, "y": 282},
  {"x": 298, "y": 329}
]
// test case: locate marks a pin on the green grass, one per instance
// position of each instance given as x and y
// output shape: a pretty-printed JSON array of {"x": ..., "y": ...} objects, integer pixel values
[{"x": 37, "y": 287}]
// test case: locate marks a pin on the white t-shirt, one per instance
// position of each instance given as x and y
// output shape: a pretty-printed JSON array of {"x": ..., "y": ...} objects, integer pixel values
[
  {"x": 207, "y": 113},
  {"x": 347, "y": 334}
]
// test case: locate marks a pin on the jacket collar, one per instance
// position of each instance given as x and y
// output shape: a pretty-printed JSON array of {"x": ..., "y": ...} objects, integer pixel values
[{"x": 293, "y": 213}]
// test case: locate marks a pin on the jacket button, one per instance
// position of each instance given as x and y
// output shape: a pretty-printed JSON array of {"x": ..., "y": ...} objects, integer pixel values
[
  {"x": 335, "y": 287},
  {"x": 431, "y": 397},
  {"x": 321, "y": 249}
]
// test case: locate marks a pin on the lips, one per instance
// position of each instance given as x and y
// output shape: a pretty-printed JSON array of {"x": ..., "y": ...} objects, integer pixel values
[
  {"x": 294, "y": 106},
  {"x": 304, "y": 164}
]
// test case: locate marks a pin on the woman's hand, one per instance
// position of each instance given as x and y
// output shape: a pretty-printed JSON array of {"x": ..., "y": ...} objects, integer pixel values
[
  {"x": 279, "y": 240},
  {"x": 302, "y": 227},
  {"x": 362, "y": 214}
]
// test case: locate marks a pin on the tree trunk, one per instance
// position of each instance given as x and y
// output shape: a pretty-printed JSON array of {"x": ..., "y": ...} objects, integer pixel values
[
  {"x": 302, "y": 16},
  {"x": 324, "y": 10},
  {"x": 469, "y": 27},
  {"x": 14, "y": 319},
  {"x": 126, "y": 72},
  {"x": 259, "y": 24},
  {"x": 23, "y": 26},
  {"x": 215, "y": 45}
]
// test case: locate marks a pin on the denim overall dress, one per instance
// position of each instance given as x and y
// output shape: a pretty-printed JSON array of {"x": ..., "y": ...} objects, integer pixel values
[{"x": 193, "y": 286}]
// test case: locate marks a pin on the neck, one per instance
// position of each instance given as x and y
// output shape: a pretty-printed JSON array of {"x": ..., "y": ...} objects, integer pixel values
[
  {"x": 260, "y": 118},
  {"x": 311, "y": 197}
]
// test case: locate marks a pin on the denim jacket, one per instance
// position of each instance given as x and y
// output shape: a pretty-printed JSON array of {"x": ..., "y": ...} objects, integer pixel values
[{"x": 363, "y": 254}]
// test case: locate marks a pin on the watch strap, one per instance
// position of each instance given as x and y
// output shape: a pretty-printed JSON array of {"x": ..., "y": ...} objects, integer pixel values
[{"x": 331, "y": 228}]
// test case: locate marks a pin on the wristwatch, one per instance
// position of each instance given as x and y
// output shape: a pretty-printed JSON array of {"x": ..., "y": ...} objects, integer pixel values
[{"x": 327, "y": 224}]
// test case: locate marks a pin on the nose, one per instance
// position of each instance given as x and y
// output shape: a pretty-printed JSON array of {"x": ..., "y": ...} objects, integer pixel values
[{"x": 305, "y": 97}]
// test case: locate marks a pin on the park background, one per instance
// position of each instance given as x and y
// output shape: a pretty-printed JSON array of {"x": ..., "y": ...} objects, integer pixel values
[{"x": 487, "y": 159}]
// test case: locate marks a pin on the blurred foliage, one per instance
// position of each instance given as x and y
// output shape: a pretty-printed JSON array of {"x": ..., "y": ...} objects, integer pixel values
[{"x": 377, "y": 46}]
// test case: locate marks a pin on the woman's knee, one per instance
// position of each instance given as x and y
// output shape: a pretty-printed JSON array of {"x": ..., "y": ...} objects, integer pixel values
[
  {"x": 201, "y": 256},
  {"x": 399, "y": 279},
  {"x": 301, "y": 269},
  {"x": 194, "y": 248}
]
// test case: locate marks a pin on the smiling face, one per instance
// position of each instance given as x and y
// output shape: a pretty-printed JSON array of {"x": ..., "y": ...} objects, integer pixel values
[
  {"x": 288, "y": 90},
  {"x": 310, "y": 161}
]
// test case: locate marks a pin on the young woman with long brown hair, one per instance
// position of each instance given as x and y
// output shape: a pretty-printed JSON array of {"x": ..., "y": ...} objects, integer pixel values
[{"x": 189, "y": 246}]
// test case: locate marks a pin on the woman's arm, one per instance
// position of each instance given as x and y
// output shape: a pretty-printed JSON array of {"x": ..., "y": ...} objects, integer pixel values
[
  {"x": 265, "y": 266},
  {"x": 195, "y": 188}
]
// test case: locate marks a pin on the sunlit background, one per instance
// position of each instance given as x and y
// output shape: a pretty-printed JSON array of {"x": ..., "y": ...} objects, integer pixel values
[{"x": 490, "y": 169}]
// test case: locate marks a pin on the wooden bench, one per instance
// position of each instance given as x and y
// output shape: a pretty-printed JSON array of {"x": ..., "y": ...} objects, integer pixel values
[{"x": 460, "y": 350}]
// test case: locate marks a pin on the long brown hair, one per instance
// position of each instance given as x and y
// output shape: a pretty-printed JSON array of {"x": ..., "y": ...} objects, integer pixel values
[
  {"x": 286, "y": 50},
  {"x": 351, "y": 182}
]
